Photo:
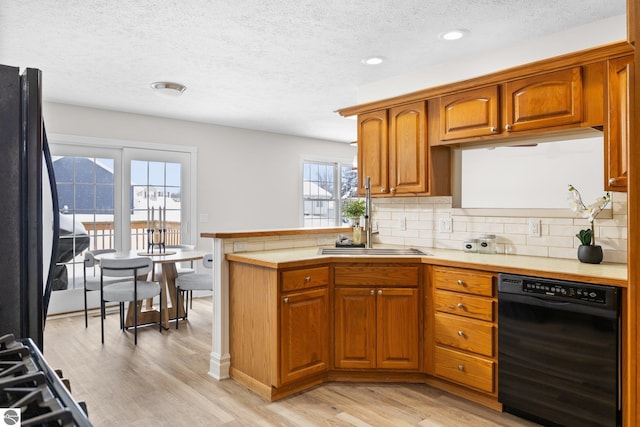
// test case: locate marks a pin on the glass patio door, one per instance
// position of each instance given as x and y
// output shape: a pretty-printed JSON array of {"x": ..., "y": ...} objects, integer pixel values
[
  {"x": 105, "y": 195},
  {"x": 88, "y": 184}
]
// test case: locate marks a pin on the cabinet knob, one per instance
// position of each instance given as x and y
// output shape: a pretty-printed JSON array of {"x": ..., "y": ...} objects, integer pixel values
[
  {"x": 460, "y": 306},
  {"x": 286, "y": 300},
  {"x": 508, "y": 128},
  {"x": 460, "y": 333},
  {"x": 372, "y": 292},
  {"x": 461, "y": 368},
  {"x": 460, "y": 282},
  {"x": 392, "y": 189},
  {"x": 492, "y": 129},
  {"x": 612, "y": 181},
  {"x": 383, "y": 190},
  {"x": 379, "y": 291},
  {"x": 307, "y": 279}
]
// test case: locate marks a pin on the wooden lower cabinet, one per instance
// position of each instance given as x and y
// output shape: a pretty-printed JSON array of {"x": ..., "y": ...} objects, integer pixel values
[
  {"x": 355, "y": 328},
  {"x": 278, "y": 337},
  {"x": 294, "y": 328},
  {"x": 376, "y": 328},
  {"x": 463, "y": 324},
  {"x": 467, "y": 369},
  {"x": 304, "y": 334}
]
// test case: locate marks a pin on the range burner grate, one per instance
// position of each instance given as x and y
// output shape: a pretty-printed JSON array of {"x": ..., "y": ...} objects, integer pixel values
[{"x": 28, "y": 383}]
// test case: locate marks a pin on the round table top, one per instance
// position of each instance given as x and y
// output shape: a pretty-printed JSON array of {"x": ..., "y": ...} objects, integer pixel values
[{"x": 172, "y": 255}]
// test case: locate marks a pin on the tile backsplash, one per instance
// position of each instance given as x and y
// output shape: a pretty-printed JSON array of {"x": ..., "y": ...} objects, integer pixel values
[{"x": 413, "y": 221}]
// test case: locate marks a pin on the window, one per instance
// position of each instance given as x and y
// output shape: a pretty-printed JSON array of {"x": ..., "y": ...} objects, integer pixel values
[
  {"x": 104, "y": 189},
  {"x": 155, "y": 185},
  {"x": 324, "y": 185}
]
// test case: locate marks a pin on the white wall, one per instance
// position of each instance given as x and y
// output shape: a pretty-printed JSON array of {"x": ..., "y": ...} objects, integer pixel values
[{"x": 247, "y": 180}]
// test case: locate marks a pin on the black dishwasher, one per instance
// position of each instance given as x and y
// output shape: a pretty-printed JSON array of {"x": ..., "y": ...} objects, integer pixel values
[{"x": 559, "y": 351}]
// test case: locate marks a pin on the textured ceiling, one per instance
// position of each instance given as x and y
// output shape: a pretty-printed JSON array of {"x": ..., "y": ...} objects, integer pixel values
[{"x": 280, "y": 66}]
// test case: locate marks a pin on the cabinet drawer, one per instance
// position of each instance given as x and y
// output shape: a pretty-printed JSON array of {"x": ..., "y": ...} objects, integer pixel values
[
  {"x": 392, "y": 275},
  {"x": 464, "y": 305},
  {"x": 466, "y": 334},
  {"x": 468, "y": 281},
  {"x": 304, "y": 278},
  {"x": 469, "y": 370}
]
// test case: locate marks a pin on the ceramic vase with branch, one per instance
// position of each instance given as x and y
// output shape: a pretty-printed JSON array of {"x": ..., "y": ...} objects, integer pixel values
[{"x": 588, "y": 251}]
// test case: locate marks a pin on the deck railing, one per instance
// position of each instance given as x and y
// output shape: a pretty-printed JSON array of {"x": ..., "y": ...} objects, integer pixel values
[{"x": 101, "y": 234}]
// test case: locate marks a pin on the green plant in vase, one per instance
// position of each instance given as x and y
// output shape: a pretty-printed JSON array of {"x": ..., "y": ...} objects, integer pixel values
[
  {"x": 588, "y": 251},
  {"x": 353, "y": 209}
]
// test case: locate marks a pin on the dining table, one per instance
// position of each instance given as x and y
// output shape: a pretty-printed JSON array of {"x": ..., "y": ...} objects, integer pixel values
[{"x": 166, "y": 277}]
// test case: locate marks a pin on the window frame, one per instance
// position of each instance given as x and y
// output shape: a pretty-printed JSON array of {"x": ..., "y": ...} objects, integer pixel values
[{"x": 337, "y": 164}]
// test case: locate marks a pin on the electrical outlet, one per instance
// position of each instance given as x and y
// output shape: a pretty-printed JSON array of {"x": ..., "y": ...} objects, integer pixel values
[
  {"x": 403, "y": 223},
  {"x": 534, "y": 228},
  {"x": 445, "y": 225}
]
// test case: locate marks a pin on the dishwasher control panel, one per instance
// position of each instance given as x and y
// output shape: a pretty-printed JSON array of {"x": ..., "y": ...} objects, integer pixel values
[
  {"x": 556, "y": 289},
  {"x": 598, "y": 296}
]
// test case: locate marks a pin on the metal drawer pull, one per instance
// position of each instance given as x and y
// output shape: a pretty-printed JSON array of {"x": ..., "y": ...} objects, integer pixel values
[
  {"x": 379, "y": 291},
  {"x": 612, "y": 181},
  {"x": 461, "y": 368},
  {"x": 460, "y": 282},
  {"x": 460, "y": 333},
  {"x": 307, "y": 279},
  {"x": 460, "y": 306},
  {"x": 372, "y": 292},
  {"x": 286, "y": 300}
]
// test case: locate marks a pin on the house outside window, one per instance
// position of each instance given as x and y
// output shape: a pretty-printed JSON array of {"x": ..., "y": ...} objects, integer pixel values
[{"x": 324, "y": 186}]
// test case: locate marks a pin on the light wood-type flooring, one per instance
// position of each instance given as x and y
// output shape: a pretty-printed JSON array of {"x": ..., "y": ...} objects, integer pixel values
[{"x": 164, "y": 382}]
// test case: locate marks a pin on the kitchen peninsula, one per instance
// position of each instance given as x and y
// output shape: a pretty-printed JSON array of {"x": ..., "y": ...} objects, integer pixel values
[{"x": 287, "y": 318}]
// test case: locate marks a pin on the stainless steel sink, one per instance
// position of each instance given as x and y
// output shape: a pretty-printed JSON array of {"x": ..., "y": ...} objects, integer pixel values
[{"x": 373, "y": 251}]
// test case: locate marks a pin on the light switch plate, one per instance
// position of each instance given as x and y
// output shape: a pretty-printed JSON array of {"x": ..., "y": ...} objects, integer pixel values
[{"x": 239, "y": 246}]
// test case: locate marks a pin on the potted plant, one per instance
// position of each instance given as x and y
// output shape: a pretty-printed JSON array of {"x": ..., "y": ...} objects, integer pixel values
[
  {"x": 353, "y": 209},
  {"x": 588, "y": 251}
]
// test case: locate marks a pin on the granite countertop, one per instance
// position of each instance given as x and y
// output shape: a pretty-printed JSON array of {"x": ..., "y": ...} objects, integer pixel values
[{"x": 565, "y": 269}]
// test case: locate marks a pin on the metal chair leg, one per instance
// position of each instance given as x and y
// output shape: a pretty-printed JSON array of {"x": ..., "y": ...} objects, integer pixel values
[{"x": 177, "y": 306}]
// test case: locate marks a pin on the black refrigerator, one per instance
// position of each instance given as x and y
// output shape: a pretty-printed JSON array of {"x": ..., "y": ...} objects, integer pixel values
[{"x": 29, "y": 222}]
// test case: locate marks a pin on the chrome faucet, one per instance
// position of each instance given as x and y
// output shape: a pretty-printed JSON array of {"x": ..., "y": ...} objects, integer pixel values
[{"x": 367, "y": 211}]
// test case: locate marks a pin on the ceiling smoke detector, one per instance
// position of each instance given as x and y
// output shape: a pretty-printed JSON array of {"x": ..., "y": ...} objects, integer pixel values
[{"x": 168, "y": 89}]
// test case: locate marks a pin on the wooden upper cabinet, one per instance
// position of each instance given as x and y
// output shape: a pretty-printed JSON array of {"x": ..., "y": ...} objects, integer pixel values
[
  {"x": 544, "y": 101},
  {"x": 617, "y": 134},
  {"x": 373, "y": 151},
  {"x": 392, "y": 150},
  {"x": 470, "y": 113},
  {"x": 408, "y": 149},
  {"x": 632, "y": 22}
]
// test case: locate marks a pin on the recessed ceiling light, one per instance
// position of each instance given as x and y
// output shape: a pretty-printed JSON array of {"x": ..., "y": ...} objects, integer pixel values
[
  {"x": 168, "y": 88},
  {"x": 373, "y": 60},
  {"x": 453, "y": 34}
]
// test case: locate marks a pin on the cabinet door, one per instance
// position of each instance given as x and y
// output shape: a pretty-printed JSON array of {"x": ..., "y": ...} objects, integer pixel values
[
  {"x": 617, "y": 128},
  {"x": 304, "y": 334},
  {"x": 373, "y": 151},
  {"x": 543, "y": 101},
  {"x": 397, "y": 324},
  {"x": 408, "y": 149},
  {"x": 355, "y": 328},
  {"x": 470, "y": 113}
]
